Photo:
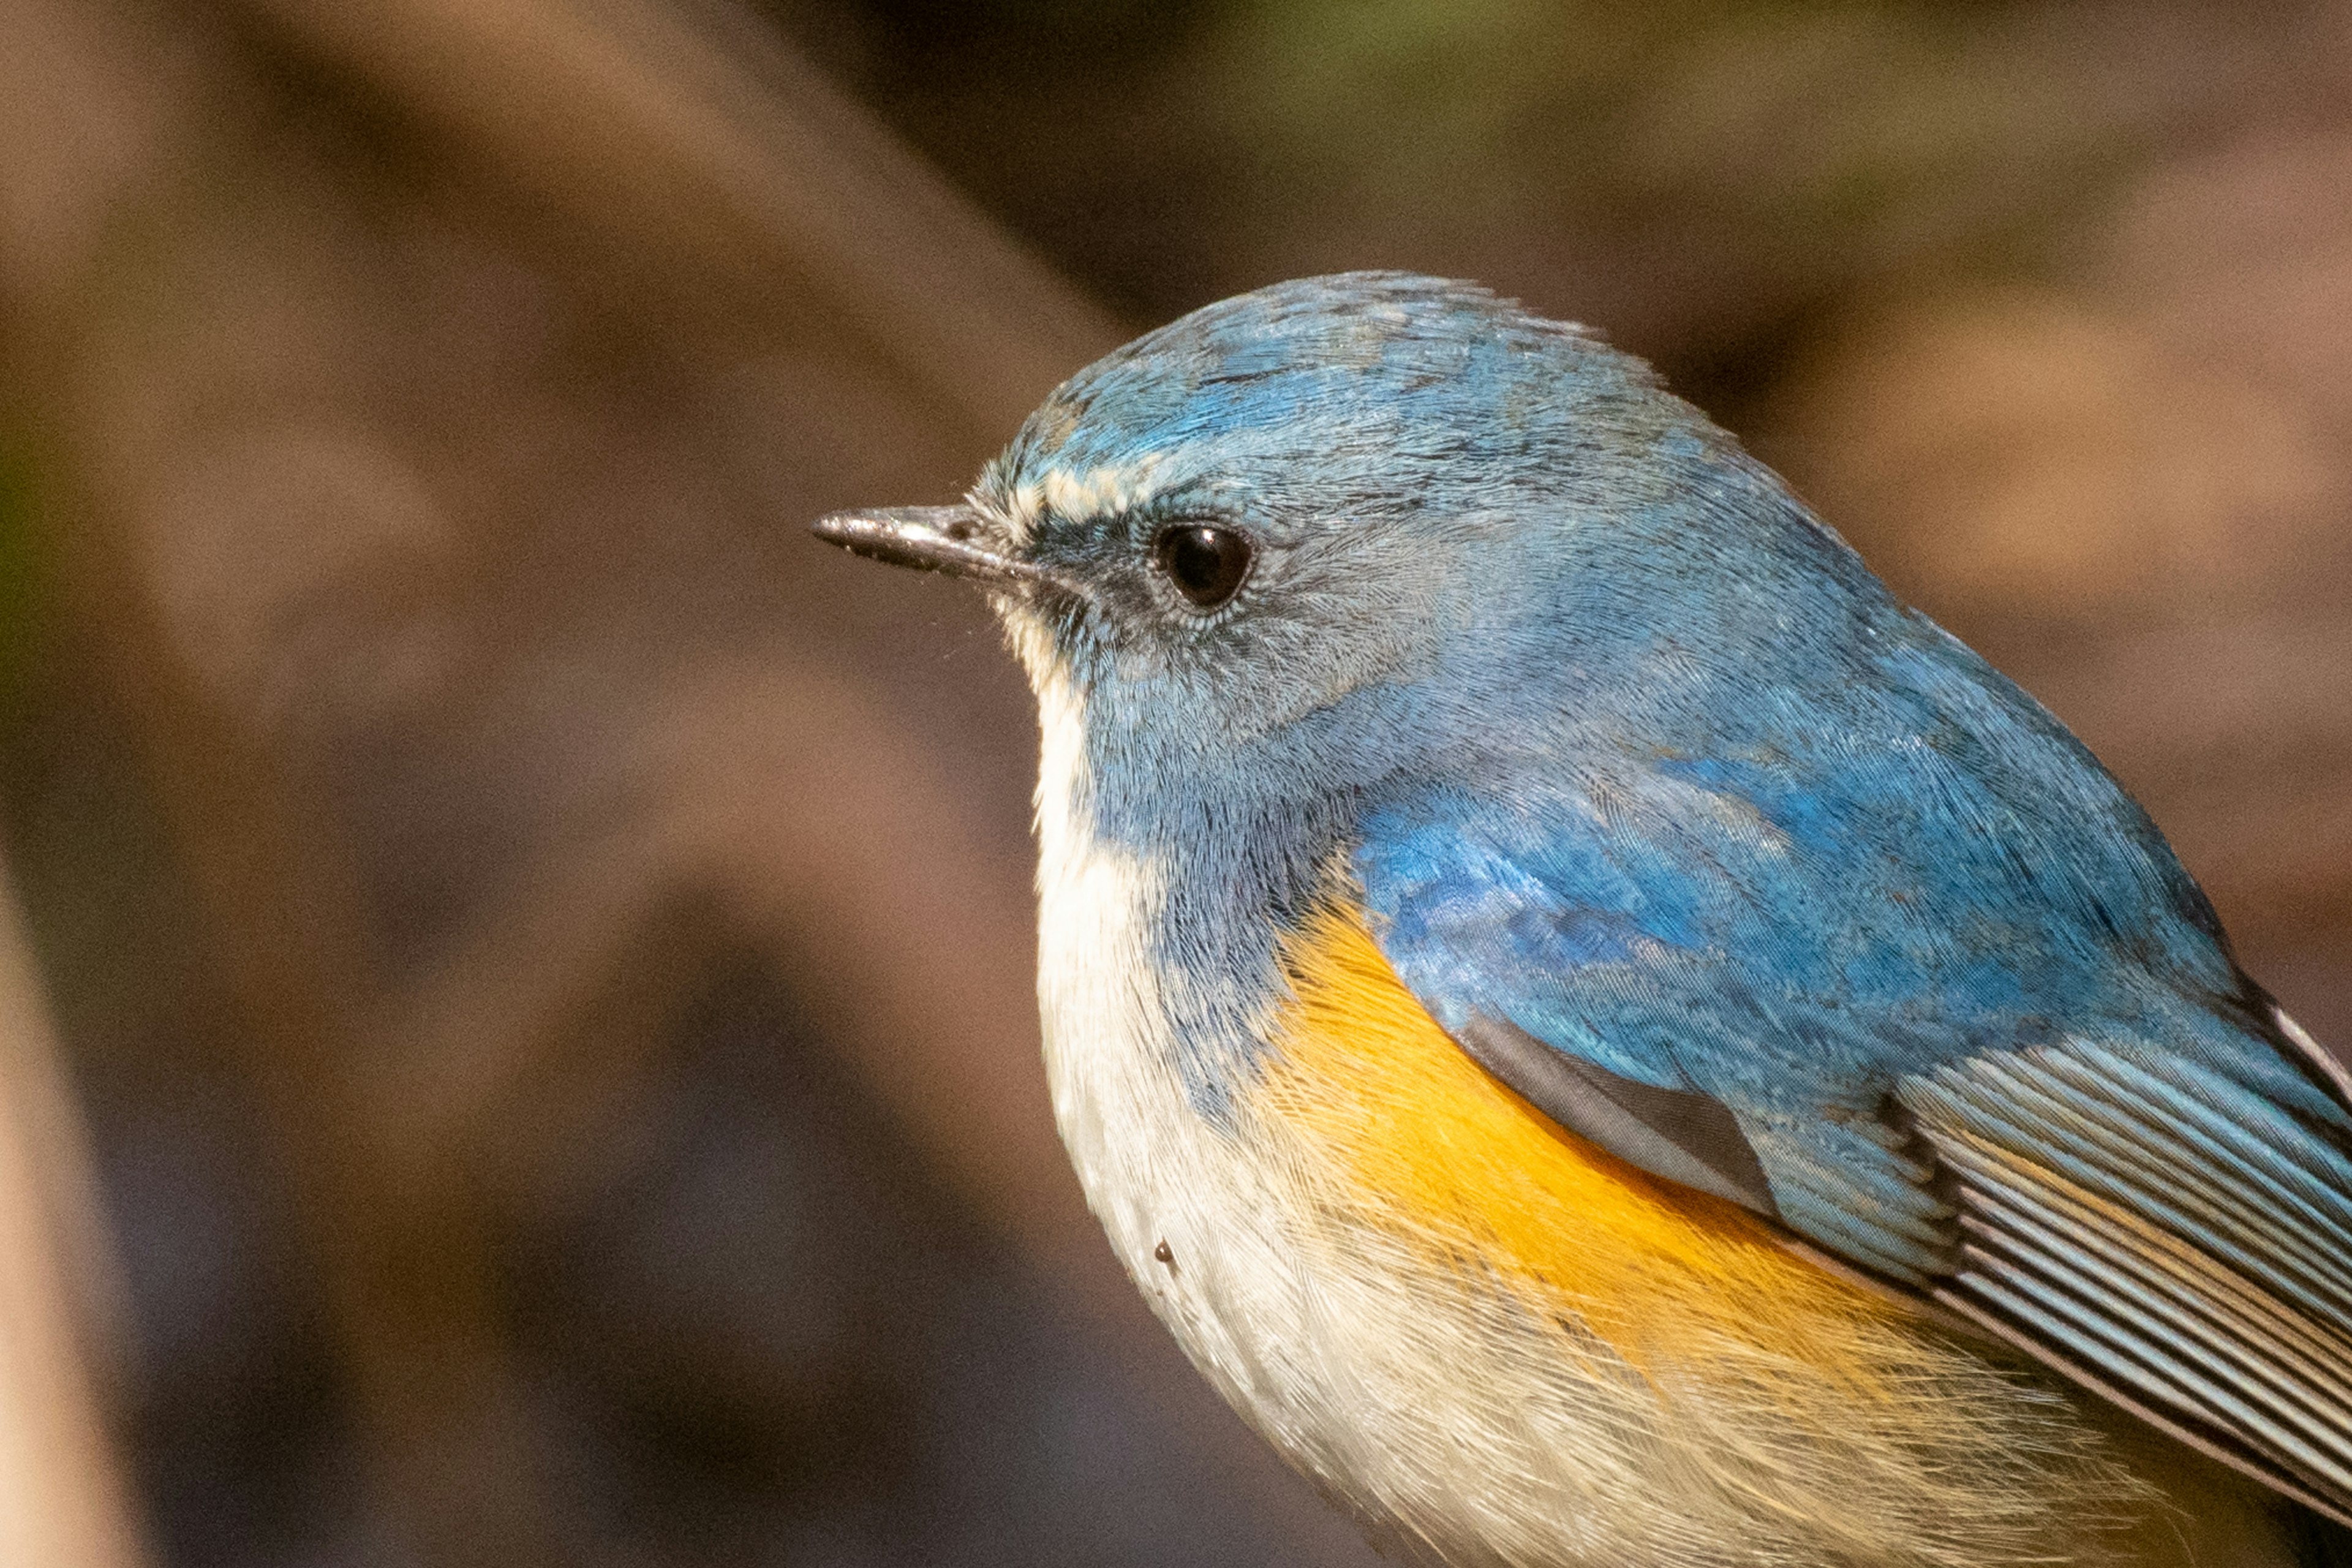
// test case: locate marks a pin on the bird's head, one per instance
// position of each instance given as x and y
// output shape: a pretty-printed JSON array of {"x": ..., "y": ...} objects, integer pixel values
[{"x": 1319, "y": 532}]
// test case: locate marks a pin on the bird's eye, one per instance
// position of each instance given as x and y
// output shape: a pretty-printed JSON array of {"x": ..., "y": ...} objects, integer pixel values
[{"x": 1207, "y": 564}]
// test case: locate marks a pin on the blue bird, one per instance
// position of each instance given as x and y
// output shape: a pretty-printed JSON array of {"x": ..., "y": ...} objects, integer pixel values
[{"x": 1608, "y": 1039}]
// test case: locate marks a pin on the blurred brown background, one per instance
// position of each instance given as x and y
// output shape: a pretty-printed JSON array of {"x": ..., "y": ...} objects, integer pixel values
[{"x": 532, "y": 1060}]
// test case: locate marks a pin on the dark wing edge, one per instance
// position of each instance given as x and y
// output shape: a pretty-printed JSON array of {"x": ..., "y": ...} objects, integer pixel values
[
  {"x": 2173, "y": 1247},
  {"x": 1690, "y": 1139},
  {"x": 1686, "y": 1137}
]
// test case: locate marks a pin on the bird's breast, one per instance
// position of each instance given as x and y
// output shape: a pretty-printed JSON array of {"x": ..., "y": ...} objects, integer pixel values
[{"x": 1493, "y": 1340}]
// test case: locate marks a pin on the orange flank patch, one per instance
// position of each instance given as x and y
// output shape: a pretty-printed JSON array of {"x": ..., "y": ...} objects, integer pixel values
[{"x": 1404, "y": 1134}]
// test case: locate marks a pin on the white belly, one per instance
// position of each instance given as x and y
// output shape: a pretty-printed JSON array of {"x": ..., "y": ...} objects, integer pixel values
[{"x": 1193, "y": 1213}]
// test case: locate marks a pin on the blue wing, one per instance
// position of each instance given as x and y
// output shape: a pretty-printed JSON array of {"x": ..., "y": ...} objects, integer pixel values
[{"x": 1899, "y": 965}]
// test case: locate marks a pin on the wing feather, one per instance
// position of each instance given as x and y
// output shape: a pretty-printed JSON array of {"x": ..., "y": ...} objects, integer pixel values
[{"x": 2115, "y": 1214}]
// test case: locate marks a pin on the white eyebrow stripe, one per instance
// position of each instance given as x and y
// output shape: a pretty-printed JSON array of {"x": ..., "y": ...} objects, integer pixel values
[{"x": 1103, "y": 490}]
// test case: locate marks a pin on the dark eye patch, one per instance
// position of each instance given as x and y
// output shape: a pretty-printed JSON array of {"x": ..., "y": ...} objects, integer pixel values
[{"x": 1206, "y": 564}]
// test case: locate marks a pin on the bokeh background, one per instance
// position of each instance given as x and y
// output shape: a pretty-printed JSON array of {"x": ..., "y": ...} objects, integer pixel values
[{"x": 515, "y": 980}]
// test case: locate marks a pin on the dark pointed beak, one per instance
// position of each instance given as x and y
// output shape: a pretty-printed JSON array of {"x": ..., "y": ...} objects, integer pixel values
[{"x": 930, "y": 539}]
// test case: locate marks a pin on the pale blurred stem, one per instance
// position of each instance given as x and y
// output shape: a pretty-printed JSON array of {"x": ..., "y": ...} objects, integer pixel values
[
  {"x": 402, "y": 1259},
  {"x": 61, "y": 1496}
]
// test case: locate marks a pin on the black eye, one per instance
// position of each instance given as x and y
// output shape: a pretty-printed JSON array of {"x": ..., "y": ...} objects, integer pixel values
[{"x": 1207, "y": 564}]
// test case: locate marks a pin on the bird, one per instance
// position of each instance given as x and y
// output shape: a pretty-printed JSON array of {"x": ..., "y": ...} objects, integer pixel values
[{"x": 1609, "y": 1038}]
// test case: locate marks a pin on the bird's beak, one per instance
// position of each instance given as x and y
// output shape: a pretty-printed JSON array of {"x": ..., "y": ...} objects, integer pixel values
[{"x": 929, "y": 538}]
